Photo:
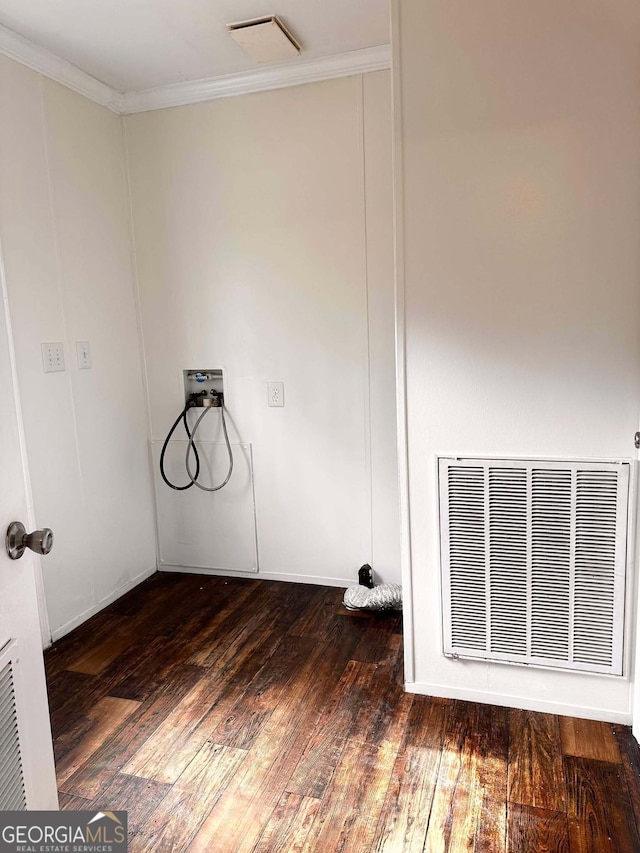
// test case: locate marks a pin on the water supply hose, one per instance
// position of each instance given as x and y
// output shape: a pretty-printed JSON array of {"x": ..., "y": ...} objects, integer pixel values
[
  {"x": 192, "y": 438},
  {"x": 181, "y": 417}
]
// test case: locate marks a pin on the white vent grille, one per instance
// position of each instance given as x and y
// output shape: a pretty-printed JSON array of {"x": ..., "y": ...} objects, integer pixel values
[
  {"x": 533, "y": 561},
  {"x": 12, "y": 793}
]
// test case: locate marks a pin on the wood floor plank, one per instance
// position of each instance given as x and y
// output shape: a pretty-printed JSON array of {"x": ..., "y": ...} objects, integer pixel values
[
  {"x": 68, "y": 802},
  {"x": 237, "y": 670},
  {"x": 136, "y": 599},
  {"x": 320, "y": 609},
  {"x": 589, "y": 739},
  {"x": 339, "y": 628},
  {"x": 107, "y": 716},
  {"x": 469, "y": 802},
  {"x": 354, "y": 800},
  {"x": 535, "y": 760},
  {"x": 289, "y": 826},
  {"x": 152, "y": 612},
  {"x": 404, "y": 821},
  {"x": 168, "y": 609},
  {"x": 630, "y": 752},
  {"x": 194, "y": 794},
  {"x": 97, "y": 658},
  {"x": 308, "y": 700},
  {"x": 378, "y": 644},
  {"x": 539, "y": 830},
  {"x": 166, "y": 745},
  {"x": 269, "y": 602},
  {"x": 491, "y": 833},
  {"x": 243, "y": 652},
  {"x": 350, "y": 810},
  {"x": 261, "y": 696},
  {"x": 77, "y": 706},
  {"x": 228, "y": 622},
  {"x": 90, "y": 633},
  {"x": 96, "y": 775},
  {"x": 63, "y": 685},
  {"x": 174, "y": 637},
  {"x": 174, "y": 598},
  {"x": 600, "y": 814},
  {"x": 146, "y": 665},
  {"x": 383, "y": 701},
  {"x": 168, "y": 586},
  {"x": 166, "y": 754},
  {"x": 315, "y": 768},
  {"x": 243, "y": 812},
  {"x": 138, "y": 797},
  {"x": 381, "y": 639},
  {"x": 71, "y": 733}
]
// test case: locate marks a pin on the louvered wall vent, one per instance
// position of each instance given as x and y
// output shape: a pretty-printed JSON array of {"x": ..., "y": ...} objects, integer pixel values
[
  {"x": 12, "y": 793},
  {"x": 533, "y": 561}
]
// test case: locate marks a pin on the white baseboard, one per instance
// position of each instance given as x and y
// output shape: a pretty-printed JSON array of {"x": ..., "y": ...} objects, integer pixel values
[
  {"x": 118, "y": 593},
  {"x": 264, "y": 576},
  {"x": 510, "y": 701}
]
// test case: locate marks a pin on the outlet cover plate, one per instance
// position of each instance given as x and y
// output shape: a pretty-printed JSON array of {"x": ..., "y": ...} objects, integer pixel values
[
  {"x": 275, "y": 393},
  {"x": 52, "y": 357}
]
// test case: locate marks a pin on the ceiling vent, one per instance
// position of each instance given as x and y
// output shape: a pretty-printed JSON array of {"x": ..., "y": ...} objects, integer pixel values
[{"x": 265, "y": 39}]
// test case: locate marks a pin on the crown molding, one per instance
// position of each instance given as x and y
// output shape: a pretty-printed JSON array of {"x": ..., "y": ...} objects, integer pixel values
[
  {"x": 293, "y": 73},
  {"x": 39, "y": 59}
]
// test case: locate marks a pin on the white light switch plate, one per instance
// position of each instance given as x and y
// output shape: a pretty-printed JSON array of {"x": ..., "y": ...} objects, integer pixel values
[
  {"x": 52, "y": 357},
  {"x": 84, "y": 355},
  {"x": 275, "y": 392}
]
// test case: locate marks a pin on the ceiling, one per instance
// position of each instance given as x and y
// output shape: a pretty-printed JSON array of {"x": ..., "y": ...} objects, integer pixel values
[{"x": 141, "y": 44}]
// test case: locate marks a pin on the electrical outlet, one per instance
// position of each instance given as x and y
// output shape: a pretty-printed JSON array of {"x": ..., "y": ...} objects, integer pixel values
[
  {"x": 84, "y": 355},
  {"x": 52, "y": 357},
  {"x": 275, "y": 392}
]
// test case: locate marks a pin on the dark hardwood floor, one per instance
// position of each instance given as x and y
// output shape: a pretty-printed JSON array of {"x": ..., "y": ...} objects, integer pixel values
[{"x": 244, "y": 715}]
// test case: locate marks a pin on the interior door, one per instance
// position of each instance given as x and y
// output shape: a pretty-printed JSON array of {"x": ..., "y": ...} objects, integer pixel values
[
  {"x": 635, "y": 699},
  {"x": 27, "y": 776}
]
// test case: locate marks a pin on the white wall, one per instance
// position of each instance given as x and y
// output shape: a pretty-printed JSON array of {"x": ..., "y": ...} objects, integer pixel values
[
  {"x": 263, "y": 237},
  {"x": 381, "y": 311},
  {"x": 65, "y": 237},
  {"x": 520, "y": 136}
]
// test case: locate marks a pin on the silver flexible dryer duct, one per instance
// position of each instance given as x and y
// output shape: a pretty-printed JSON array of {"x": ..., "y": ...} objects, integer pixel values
[
  {"x": 384, "y": 596},
  {"x": 191, "y": 444}
]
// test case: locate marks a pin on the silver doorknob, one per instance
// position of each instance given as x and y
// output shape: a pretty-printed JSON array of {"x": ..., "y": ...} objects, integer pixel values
[{"x": 18, "y": 540}]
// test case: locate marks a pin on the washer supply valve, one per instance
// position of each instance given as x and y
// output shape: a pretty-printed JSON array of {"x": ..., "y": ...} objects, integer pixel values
[{"x": 203, "y": 400}]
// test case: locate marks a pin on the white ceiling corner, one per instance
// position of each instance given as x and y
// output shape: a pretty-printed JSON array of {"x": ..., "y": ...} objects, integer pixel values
[
  {"x": 134, "y": 55},
  {"x": 44, "y": 62}
]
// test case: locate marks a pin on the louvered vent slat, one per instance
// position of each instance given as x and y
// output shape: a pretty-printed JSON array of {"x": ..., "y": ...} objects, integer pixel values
[
  {"x": 595, "y": 567},
  {"x": 12, "y": 793},
  {"x": 466, "y": 520},
  {"x": 533, "y": 558},
  {"x": 508, "y": 559},
  {"x": 550, "y": 563}
]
